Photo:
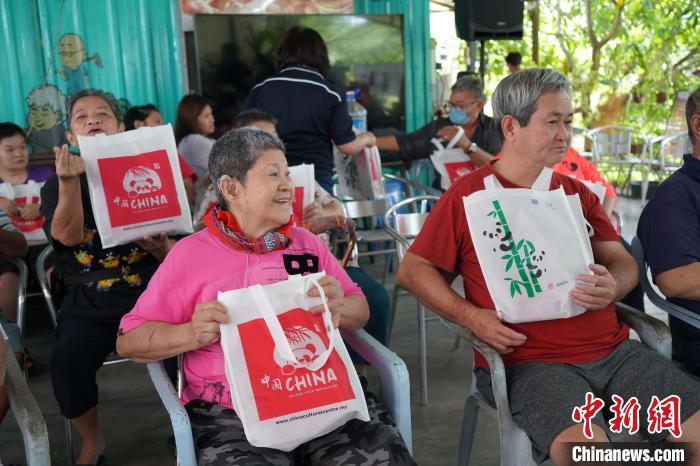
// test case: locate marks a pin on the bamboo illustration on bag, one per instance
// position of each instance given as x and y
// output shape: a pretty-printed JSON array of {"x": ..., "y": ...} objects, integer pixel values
[{"x": 520, "y": 253}]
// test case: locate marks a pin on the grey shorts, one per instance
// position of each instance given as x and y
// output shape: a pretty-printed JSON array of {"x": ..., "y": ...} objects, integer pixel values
[
  {"x": 542, "y": 396},
  {"x": 12, "y": 331}
]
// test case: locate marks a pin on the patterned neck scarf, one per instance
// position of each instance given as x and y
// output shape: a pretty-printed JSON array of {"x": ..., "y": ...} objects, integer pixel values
[{"x": 223, "y": 225}]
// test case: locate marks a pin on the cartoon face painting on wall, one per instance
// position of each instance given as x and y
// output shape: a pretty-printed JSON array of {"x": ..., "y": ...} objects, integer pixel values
[
  {"x": 74, "y": 58},
  {"x": 45, "y": 119}
]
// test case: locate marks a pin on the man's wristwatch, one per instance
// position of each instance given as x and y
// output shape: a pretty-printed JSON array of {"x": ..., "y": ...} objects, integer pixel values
[{"x": 472, "y": 148}]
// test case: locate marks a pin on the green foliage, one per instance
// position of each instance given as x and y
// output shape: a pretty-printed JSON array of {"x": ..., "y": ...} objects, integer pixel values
[{"x": 654, "y": 50}]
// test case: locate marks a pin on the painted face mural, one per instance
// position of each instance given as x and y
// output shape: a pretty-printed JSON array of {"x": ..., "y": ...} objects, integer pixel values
[
  {"x": 45, "y": 118},
  {"x": 74, "y": 58},
  {"x": 72, "y": 50}
]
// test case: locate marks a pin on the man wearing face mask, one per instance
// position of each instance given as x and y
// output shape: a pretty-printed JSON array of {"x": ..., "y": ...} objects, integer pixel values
[{"x": 480, "y": 140}]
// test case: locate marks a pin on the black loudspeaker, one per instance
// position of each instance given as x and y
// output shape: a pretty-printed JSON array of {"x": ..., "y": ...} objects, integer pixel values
[{"x": 489, "y": 19}]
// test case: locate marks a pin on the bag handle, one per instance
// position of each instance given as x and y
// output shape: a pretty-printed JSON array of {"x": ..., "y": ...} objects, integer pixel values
[
  {"x": 455, "y": 138},
  {"x": 542, "y": 182},
  {"x": 453, "y": 142},
  {"x": 281, "y": 342},
  {"x": 438, "y": 145}
]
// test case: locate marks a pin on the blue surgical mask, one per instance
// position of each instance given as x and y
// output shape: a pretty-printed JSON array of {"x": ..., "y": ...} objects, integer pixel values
[{"x": 458, "y": 116}]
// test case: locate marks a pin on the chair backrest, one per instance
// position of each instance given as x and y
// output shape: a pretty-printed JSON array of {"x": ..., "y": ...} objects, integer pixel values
[
  {"x": 361, "y": 209},
  {"x": 31, "y": 423},
  {"x": 21, "y": 293},
  {"x": 43, "y": 279},
  {"x": 412, "y": 187},
  {"x": 655, "y": 297},
  {"x": 404, "y": 227},
  {"x": 614, "y": 142},
  {"x": 671, "y": 150}
]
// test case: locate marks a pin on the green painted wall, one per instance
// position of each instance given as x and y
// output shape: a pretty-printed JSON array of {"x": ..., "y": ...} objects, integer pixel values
[{"x": 132, "y": 48}]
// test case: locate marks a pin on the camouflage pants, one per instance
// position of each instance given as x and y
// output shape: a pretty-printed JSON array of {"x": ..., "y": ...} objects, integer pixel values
[{"x": 219, "y": 440}]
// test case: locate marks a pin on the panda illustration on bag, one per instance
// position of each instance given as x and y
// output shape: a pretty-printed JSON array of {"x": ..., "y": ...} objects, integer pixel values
[
  {"x": 141, "y": 180},
  {"x": 306, "y": 346}
]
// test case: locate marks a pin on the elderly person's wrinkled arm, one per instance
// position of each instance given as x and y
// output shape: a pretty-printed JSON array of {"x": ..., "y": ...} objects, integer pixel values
[
  {"x": 431, "y": 286},
  {"x": 682, "y": 282},
  {"x": 68, "y": 219},
  {"x": 324, "y": 205},
  {"x": 153, "y": 341}
]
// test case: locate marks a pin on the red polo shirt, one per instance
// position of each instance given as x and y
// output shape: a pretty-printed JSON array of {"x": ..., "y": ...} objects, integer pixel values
[{"x": 587, "y": 337}]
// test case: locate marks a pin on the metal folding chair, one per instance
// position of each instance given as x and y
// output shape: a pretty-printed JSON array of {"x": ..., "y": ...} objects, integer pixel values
[
  {"x": 43, "y": 279},
  {"x": 370, "y": 209},
  {"x": 612, "y": 145},
  {"x": 403, "y": 227},
  {"x": 669, "y": 156}
]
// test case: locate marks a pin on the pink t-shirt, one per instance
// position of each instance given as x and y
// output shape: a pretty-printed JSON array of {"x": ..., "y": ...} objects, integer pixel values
[{"x": 194, "y": 272}]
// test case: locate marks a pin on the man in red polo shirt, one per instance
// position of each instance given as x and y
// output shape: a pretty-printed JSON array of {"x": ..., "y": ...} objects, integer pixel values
[{"x": 550, "y": 365}]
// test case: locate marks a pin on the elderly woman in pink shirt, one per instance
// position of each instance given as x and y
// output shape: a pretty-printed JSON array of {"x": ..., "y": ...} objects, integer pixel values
[{"x": 248, "y": 236}]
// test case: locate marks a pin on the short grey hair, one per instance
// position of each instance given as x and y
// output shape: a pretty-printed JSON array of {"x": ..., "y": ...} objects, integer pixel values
[
  {"x": 470, "y": 84},
  {"x": 516, "y": 95},
  {"x": 235, "y": 153},
  {"x": 106, "y": 96}
]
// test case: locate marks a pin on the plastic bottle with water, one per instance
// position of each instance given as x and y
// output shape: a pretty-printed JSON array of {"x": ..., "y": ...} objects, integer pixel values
[{"x": 357, "y": 112}]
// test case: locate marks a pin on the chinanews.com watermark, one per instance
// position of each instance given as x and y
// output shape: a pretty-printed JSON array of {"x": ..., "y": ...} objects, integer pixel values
[
  {"x": 663, "y": 416},
  {"x": 624, "y": 453}
]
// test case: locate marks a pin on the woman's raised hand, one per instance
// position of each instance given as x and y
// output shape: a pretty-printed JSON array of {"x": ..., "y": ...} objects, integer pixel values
[{"x": 68, "y": 166}]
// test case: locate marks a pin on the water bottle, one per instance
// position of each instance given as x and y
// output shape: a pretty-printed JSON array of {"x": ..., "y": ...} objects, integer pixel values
[{"x": 357, "y": 112}]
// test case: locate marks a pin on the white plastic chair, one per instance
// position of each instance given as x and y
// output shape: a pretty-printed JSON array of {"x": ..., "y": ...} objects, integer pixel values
[
  {"x": 403, "y": 227},
  {"x": 31, "y": 423},
  {"x": 392, "y": 371},
  {"x": 679, "y": 312},
  {"x": 612, "y": 145},
  {"x": 516, "y": 449},
  {"x": 22, "y": 293}
]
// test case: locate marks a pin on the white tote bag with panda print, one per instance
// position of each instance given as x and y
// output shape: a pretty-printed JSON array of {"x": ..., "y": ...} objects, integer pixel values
[
  {"x": 135, "y": 183},
  {"x": 531, "y": 245}
]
